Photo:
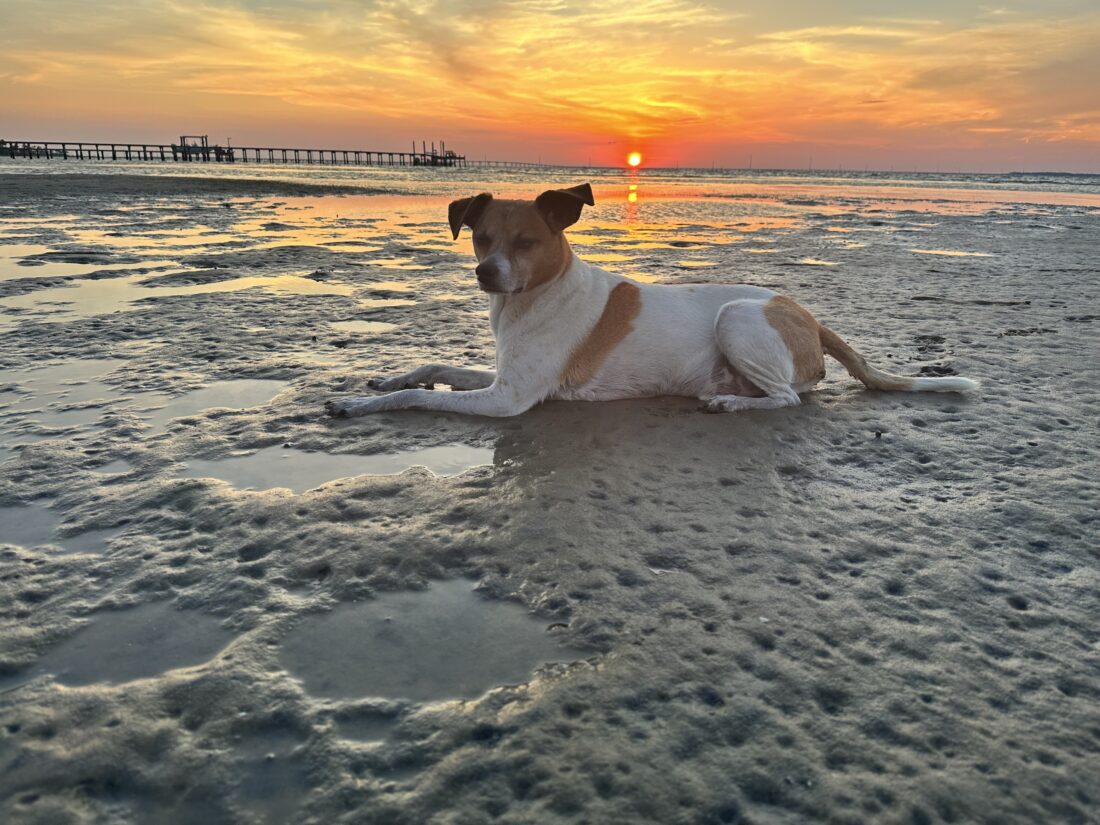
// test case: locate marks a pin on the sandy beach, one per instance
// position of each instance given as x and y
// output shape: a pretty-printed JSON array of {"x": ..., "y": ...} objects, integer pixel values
[{"x": 217, "y": 605}]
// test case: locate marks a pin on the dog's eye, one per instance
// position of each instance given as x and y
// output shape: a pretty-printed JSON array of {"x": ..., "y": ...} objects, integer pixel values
[
  {"x": 524, "y": 243},
  {"x": 481, "y": 240}
]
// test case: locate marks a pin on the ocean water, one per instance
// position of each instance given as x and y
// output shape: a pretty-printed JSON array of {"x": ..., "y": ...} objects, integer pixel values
[{"x": 419, "y": 180}]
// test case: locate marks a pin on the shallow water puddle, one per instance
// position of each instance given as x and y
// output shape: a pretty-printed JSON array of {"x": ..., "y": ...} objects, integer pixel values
[
  {"x": 51, "y": 388},
  {"x": 12, "y": 253},
  {"x": 237, "y": 394},
  {"x": 53, "y": 418},
  {"x": 397, "y": 263},
  {"x": 391, "y": 286},
  {"x": 284, "y": 284},
  {"x": 297, "y": 470},
  {"x": 363, "y": 326},
  {"x": 366, "y": 727},
  {"x": 953, "y": 253},
  {"x": 352, "y": 246},
  {"x": 45, "y": 268},
  {"x": 124, "y": 645},
  {"x": 49, "y": 392},
  {"x": 35, "y": 525},
  {"x": 87, "y": 298},
  {"x": 324, "y": 357},
  {"x": 119, "y": 465},
  {"x": 55, "y": 378},
  {"x": 376, "y": 303},
  {"x": 607, "y": 257},
  {"x": 443, "y": 643}
]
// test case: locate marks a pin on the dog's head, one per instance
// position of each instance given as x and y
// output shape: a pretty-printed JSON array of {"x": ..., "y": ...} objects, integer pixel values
[{"x": 519, "y": 244}]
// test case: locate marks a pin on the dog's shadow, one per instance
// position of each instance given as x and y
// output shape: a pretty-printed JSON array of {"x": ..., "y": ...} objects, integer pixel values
[
  {"x": 568, "y": 449},
  {"x": 569, "y": 443}
]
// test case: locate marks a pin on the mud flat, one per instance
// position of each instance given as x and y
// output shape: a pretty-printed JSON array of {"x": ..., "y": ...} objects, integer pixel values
[
  {"x": 22, "y": 187},
  {"x": 217, "y": 605}
]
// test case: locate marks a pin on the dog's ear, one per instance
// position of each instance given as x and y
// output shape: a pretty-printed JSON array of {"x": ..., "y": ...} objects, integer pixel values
[
  {"x": 562, "y": 207},
  {"x": 466, "y": 212}
]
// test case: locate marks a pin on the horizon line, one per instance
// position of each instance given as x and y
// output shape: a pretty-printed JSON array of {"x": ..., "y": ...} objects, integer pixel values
[{"x": 484, "y": 164}]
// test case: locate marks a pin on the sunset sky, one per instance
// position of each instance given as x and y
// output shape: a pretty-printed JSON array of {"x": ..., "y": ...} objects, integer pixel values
[{"x": 866, "y": 83}]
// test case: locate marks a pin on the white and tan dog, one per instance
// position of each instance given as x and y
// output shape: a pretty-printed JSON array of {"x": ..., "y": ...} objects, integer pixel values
[{"x": 569, "y": 330}]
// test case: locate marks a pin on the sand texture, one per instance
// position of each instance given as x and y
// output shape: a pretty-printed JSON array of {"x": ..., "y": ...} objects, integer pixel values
[{"x": 871, "y": 608}]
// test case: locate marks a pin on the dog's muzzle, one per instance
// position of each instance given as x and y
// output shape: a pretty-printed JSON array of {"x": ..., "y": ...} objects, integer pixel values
[{"x": 491, "y": 277}]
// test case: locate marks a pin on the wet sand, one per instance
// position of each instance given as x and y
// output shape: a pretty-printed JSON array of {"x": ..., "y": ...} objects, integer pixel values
[
  {"x": 872, "y": 608},
  {"x": 21, "y": 187}
]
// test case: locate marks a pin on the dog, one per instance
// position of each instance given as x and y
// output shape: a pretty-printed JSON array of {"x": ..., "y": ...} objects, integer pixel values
[{"x": 568, "y": 330}]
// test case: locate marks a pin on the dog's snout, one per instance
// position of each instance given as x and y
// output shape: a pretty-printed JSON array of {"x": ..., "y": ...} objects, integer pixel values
[
  {"x": 494, "y": 274},
  {"x": 487, "y": 271}
]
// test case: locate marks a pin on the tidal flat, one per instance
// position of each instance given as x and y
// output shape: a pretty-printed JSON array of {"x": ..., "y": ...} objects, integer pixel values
[{"x": 218, "y": 605}]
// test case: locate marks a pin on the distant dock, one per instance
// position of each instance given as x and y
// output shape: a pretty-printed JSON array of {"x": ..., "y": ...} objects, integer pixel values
[{"x": 198, "y": 149}]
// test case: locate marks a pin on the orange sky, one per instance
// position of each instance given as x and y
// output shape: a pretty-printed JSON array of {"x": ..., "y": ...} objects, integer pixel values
[{"x": 878, "y": 83}]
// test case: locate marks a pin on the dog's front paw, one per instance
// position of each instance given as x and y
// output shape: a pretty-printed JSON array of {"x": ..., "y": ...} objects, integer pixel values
[
  {"x": 346, "y": 407},
  {"x": 335, "y": 409}
]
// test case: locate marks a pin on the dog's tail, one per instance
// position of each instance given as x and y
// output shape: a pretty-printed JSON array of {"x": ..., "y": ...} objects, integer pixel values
[{"x": 875, "y": 379}]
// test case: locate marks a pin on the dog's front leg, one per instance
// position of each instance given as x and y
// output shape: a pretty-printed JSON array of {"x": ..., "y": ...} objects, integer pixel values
[
  {"x": 495, "y": 401},
  {"x": 458, "y": 377}
]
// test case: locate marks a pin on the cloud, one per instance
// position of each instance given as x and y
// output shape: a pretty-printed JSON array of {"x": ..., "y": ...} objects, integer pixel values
[{"x": 658, "y": 70}]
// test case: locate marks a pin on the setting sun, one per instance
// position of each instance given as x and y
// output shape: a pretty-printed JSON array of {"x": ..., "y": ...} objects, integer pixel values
[{"x": 634, "y": 158}]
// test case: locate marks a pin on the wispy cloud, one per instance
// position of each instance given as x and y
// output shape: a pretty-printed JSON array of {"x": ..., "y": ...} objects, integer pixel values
[{"x": 654, "y": 70}]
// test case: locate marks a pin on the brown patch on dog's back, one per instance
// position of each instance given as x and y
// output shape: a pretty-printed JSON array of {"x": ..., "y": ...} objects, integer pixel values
[
  {"x": 799, "y": 330},
  {"x": 615, "y": 323}
]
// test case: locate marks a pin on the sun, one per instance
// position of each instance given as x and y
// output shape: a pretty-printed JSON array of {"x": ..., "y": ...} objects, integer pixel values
[{"x": 634, "y": 158}]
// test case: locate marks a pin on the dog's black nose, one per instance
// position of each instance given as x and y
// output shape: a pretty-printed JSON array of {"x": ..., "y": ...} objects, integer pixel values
[{"x": 486, "y": 271}]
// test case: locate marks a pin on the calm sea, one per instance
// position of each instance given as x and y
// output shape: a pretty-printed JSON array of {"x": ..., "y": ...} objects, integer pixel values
[{"x": 426, "y": 181}]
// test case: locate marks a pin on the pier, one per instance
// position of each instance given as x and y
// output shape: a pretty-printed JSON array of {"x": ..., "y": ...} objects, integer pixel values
[{"x": 198, "y": 149}]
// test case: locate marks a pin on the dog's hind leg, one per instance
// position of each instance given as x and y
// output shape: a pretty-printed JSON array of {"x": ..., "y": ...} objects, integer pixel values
[
  {"x": 774, "y": 344},
  {"x": 459, "y": 378}
]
